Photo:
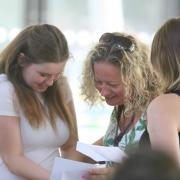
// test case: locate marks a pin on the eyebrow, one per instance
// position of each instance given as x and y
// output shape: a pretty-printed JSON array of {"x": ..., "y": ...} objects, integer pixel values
[
  {"x": 50, "y": 74},
  {"x": 108, "y": 82}
]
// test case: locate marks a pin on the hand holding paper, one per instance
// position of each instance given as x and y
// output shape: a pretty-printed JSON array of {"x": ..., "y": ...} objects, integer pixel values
[
  {"x": 101, "y": 153},
  {"x": 65, "y": 169}
]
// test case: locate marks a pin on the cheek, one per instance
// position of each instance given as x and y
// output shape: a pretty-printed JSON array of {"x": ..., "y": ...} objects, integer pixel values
[
  {"x": 27, "y": 75},
  {"x": 98, "y": 87},
  {"x": 120, "y": 92},
  {"x": 39, "y": 81},
  {"x": 119, "y": 97},
  {"x": 33, "y": 79},
  {"x": 29, "y": 80}
]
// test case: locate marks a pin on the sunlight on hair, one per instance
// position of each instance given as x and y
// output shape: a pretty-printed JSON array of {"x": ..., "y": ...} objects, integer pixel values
[
  {"x": 13, "y": 32},
  {"x": 3, "y": 35}
]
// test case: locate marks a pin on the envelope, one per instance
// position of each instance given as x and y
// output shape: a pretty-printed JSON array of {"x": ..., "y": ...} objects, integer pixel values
[
  {"x": 64, "y": 169},
  {"x": 101, "y": 153}
]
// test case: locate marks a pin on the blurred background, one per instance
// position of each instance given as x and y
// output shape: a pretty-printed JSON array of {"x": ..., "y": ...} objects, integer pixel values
[{"x": 82, "y": 22}]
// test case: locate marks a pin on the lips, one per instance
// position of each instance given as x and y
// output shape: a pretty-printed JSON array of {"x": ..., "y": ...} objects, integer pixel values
[
  {"x": 41, "y": 87},
  {"x": 109, "y": 98},
  {"x": 112, "y": 101}
]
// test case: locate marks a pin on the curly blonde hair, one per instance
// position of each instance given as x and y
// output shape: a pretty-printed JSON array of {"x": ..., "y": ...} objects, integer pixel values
[{"x": 140, "y": 82}]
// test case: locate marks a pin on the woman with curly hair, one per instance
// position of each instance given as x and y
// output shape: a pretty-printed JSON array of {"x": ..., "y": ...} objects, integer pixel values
[{"x": 118, "y": 71}]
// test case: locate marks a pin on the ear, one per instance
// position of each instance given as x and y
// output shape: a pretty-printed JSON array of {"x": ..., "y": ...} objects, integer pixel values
[{"x": 21, "y": 59}]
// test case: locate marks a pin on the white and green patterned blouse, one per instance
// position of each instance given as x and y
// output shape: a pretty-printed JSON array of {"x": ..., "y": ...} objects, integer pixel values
[{"x": 130, "y": 140}]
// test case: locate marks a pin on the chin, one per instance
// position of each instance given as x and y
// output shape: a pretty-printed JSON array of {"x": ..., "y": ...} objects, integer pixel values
[
  {"x": 40, "y": 90},
  {"x": 113, "y": 103}
]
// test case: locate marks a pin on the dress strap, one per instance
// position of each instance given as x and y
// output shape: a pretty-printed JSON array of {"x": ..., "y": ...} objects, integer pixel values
[{"x": 176, "y": 92}]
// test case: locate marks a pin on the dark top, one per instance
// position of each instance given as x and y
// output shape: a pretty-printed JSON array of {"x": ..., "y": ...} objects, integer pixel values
[{"x": 144, "y": 143}]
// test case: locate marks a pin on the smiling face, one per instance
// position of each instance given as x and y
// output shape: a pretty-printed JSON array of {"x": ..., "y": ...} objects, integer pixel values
[
  {"x": 40, "y": 76},
  {"x": 109, "y": 83}
]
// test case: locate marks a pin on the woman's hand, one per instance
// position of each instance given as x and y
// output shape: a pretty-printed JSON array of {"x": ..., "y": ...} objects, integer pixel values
[{"x": 100, "y": 173}]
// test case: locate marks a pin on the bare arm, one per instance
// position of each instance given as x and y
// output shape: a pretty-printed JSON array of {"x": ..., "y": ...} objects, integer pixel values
[
  {"x": 99, "y": 142},
  {"x": 163, "y": 117},
  {"x": 12, "y": 153}
]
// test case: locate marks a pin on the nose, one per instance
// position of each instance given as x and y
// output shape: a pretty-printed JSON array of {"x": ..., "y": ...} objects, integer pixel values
[
  {"x": 50, "y": 81},
  {"x": 104, "y": 91}
]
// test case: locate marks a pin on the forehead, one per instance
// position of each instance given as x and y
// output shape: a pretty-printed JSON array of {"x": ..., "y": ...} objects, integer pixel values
[
  {"x": 107, "y": 71},
  {"x": 50, "y": 68}
]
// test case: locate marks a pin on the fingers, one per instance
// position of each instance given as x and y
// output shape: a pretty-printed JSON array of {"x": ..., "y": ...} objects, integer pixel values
[
  {"x": 101, "y": 171},
  {"x": 98, "y": 173},
  {"x": 97, "y": 177}
]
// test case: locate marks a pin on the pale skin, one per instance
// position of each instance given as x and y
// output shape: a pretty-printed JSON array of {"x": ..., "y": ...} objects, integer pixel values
[
  {"x": 109, "y": 84},
  {"x": 163, "y": 116},
  {"x": 39, "y": 77}
]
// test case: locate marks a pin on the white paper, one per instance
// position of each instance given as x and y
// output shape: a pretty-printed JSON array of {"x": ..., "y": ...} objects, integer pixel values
[
  {"x": 101, "y": 153},
  {"x": 64, "y": 169}
]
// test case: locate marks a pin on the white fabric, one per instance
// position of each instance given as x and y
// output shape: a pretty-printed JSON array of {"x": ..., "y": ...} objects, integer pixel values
[{"x": 40, "y": 145}]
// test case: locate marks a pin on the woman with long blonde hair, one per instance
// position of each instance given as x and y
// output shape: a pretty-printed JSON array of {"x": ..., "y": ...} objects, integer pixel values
[{"x": 37, "y": 115}]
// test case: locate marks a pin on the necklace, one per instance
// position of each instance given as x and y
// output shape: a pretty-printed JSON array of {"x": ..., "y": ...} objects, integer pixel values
[{"x": 125, "y": 129}]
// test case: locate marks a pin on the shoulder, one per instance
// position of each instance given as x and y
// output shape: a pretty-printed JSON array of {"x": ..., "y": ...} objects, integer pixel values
[
  {"x": 8, "y": 105},
  {"x": 164, "y": 102},
  {"x": 5, "y": 85},
  {"x": 164, "y": 108}
]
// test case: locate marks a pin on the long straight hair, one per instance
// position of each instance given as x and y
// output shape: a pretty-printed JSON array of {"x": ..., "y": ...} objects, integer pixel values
[
  {"x": 40, "y": 44},
  {"x": 165, "y": 54}
]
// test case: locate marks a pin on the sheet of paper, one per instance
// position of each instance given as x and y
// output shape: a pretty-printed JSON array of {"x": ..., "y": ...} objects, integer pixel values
[
  {"x": 64, "y": 169},
  {"x": 101, "y": 153}
]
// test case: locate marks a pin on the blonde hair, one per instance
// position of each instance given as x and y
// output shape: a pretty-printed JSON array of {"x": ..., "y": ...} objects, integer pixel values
[
  {"x": 140, "y": 82},
  {"x": 40, "y": 44},
  {"x": 165, "y": 54}
]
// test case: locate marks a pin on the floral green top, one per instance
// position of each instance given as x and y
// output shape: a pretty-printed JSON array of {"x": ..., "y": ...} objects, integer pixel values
[{"x": 130, "y": 139}]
